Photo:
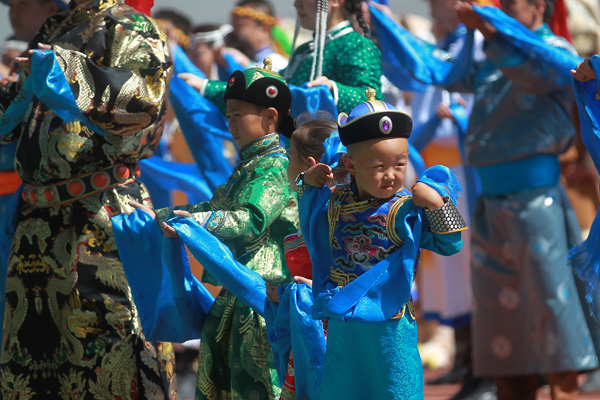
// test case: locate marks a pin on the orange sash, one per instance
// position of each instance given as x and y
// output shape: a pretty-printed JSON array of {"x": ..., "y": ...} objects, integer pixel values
[{"x": 9, "y": 182}]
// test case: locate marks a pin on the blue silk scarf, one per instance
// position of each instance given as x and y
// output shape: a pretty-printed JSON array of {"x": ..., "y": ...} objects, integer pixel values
[
  {"x": 585, "y": 257},
  {"x": 289, "y": 323},
  {"x": 48, "y": 83},
  {"x": 412, "y": 63},
  {"x": 171, "y": 302}
]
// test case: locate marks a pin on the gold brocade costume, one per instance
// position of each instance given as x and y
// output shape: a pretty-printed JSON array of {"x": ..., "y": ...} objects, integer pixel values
[{"x": 71, "y": 329}]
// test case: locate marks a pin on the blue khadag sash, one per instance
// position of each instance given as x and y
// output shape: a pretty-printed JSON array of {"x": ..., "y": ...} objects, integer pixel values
[{"x": 585, "y": 257}]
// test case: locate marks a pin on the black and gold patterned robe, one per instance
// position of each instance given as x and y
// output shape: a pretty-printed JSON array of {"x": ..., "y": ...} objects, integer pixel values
[{"x": 71, "y": 329}]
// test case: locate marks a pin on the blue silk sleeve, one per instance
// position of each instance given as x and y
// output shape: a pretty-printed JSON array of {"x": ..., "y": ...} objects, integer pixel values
[
  {"x": 291, "y": 326},
  {"x": 171, "y": 302},
  {"x": 585, "y": 257},
  {"x": 289, "y": 323},
  {"x": 204, "y": 127},
  {"x": 48, "y": 83}
]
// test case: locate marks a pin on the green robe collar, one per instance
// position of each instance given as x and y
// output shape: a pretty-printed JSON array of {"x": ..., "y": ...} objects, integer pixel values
[{"x": 262, "y": 146}]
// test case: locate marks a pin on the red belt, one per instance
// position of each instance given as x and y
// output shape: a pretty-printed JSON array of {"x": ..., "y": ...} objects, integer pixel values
[
  {"x": 80, "y": 186},
  {"x": 9, "y": 182}
]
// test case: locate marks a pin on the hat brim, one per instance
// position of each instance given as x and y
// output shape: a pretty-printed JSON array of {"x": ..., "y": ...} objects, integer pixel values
[
  {"x": 286, "y": 125},
  {"x": 368, "y": 127}
]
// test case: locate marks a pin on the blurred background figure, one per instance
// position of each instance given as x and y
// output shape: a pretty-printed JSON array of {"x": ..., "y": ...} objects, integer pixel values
[
  {"x": 27, "y": 16},
  {"x": 10, "y": 49},
  {"x": 255, "y": 21}
]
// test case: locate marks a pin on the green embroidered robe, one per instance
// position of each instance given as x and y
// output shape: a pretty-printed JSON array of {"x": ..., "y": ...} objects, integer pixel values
[
  {"x": 251, "y": 213},
  {"x": 350, "y": 60}
]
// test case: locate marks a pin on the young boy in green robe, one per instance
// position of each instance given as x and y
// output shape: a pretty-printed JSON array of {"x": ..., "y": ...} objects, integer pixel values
[{"x": 251, "y": 213}]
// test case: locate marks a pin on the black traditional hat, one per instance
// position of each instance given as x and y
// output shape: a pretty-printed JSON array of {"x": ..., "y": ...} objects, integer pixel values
[
  {"x": 373, "y": 119},
  {"x": 264, "y": 88}
]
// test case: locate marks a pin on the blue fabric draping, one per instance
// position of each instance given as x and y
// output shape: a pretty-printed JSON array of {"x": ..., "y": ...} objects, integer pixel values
[
  {"x": 217, "y": 258},
  {"x": 203, "y": 125},
  {"x": 289, "y": 323},
  {"x": 425, "y": 132},
  {"x": 231, "y": 65},
  {"x": 585, "y": 257},
  {"x": 311, "y": 100},
  {"x": 171, "y": 302},
  {"x": 379, "y": 293},
  {"x": 411, "y": 63},
  {"x": 169, "y": 175},
  {"x": 554, "y": 61},
  {"x": 290, "y": 326},
  {"x": 48, "y": 83}
]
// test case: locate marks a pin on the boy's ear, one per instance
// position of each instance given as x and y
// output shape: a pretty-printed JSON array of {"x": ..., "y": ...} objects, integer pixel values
[
  {"x": 311, "y": 161},
  {"x": 271, "y": 118},
  {"x": 272, "y": 113},
  {"x": 349, "y": 164}
]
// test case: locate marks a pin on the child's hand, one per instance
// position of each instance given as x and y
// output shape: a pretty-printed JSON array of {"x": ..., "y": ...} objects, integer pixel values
[
  {"x": 425, "y": 196},
  {"x": 181, "y": 213},
  {"x": 318, "y": 175},
  {"x": 144, "y": 208},
  {"x": 272, "y": 293},
  {"x": 444, "y": 111},
  {"x": 168, "y": 231},
  {"x": 194, "y": 81},
  {"x": 301, "y": 279},
  {"x": 584, "y": 71}
]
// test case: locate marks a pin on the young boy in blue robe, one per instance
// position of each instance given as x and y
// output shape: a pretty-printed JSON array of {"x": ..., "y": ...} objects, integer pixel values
[{"x": 376, "y": 228}]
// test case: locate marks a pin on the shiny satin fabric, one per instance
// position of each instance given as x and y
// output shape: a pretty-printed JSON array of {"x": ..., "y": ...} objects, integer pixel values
[
  {"x": 204, "y": 127},
  {"x": 171, "y": 302},
  {"x": 291, "y": 326},
  {"x": 48, "y": 83},
  {"x": 411, "y": 63},
  {"x": 527, "y": 313},
  {"x": 289, "y": 323},
  {"x": 585, "y": 258},
  {"x": 379, "y": 293}
]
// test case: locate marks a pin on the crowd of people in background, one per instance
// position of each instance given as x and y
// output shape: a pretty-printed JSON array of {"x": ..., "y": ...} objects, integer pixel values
[{"x": 294, "y": 185}]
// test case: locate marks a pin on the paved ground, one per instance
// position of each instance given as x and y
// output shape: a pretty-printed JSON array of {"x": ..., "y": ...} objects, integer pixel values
[{"x": 442, "y": 392}]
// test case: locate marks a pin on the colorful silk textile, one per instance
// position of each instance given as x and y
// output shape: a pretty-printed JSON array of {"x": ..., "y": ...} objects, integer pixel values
[
  {"x": 71, "y": 328},
  {"x": 378, "y": 294},
  {"x": 411, "y": 63}
]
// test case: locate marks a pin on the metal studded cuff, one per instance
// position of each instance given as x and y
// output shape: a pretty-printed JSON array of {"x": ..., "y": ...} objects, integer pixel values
[
  {"x": 446, "y": 219},
  {"x": 300, "y": 189}
]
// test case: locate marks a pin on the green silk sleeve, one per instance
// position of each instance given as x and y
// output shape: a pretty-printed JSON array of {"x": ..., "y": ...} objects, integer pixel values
[
  {"x": 360, "y": 69},
  {"x": 215, "y": 93},
  {"x": 263, "y": 197}
]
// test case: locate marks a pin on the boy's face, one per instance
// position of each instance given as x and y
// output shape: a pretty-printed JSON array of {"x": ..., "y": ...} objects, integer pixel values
[
  {"x": 247, "y": 122},
  {"x": 378, "y": 166}
]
